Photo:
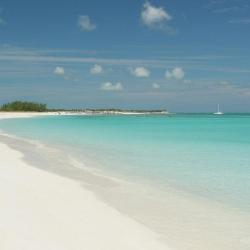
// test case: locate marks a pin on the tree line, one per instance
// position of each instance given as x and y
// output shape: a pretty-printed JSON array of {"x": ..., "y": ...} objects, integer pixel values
[
  {"x": 24, "y": 106},
  {"x": 40, "y": 107}
]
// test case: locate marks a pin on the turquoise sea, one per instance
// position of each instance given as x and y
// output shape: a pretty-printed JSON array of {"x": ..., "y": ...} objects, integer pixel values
[{"x": 203, "y": 154}]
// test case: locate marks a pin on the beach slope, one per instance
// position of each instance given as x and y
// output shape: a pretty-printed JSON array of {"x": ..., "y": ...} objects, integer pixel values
[{"x": 40, "y": 210}]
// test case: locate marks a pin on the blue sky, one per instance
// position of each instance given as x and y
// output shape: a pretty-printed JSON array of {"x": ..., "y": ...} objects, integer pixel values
[{"x": 176, "y": 54}]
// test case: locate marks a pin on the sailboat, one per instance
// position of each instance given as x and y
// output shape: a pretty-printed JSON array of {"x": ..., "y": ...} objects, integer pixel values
[{"x": 218, "y": 111}]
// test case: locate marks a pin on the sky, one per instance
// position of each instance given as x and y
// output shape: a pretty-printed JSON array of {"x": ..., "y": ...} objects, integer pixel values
[{"x": 179, "y": 55}]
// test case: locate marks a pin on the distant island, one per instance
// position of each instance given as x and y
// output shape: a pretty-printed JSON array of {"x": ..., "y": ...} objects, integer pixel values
[{"x": 23, "y": 106}]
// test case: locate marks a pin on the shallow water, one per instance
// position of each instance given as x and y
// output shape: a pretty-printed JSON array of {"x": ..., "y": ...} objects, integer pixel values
[{"x": 203, "y": 154}]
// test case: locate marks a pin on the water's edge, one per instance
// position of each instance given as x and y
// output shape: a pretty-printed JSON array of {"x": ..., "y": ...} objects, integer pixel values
[{"x": 174, "y": 215}]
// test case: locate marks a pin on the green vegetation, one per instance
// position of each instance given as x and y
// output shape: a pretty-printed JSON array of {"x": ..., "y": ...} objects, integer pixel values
[
  {"x": 19, "y": 106},
  {"x": 24, "y": 106}
]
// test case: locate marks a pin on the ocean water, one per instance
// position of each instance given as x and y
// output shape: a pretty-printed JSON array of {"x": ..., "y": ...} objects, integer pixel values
[{"x": 202, "y": 154}]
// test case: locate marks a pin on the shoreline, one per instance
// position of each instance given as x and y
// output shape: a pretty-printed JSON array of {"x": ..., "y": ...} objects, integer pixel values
[
  {"x": 12, "y": 115},
  {"x": 21, "y": 114},
  {"x": 46, "y": 211},
  {"x": 180, "y": 220}
]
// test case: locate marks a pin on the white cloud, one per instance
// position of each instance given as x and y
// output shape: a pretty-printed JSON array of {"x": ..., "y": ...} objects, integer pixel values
[
  {"x": 140, "y": 72},
  {"x": 155, "y": 86},
  {"x": 176, "y": 74},
  {"x": 154, "y": 16},
  {"x": 108, "y": 86},
  {"x": 85, "y": 23},
  {"x": 59, "y": 71},
  {"x": 96, "y": 69}
]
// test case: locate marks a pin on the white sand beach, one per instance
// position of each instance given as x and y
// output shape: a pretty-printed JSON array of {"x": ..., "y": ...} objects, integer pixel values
[
  {"x": 9, "y": 115},
  {"x": 40, "y": 210}
]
